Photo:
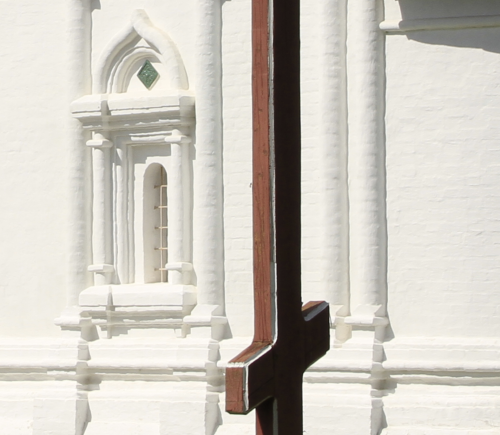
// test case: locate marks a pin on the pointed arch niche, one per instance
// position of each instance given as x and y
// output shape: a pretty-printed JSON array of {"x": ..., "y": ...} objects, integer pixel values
[{"x": 141, "y": 115}]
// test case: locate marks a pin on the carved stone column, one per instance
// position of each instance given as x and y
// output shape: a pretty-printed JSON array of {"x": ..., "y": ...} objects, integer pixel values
[
  {"x": 178, "y": 265},
  {"x": 101, "y": 211}
]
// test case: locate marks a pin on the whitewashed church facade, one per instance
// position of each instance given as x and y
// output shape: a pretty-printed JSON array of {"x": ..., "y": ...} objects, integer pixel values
[{"x": 125, "y": 224}]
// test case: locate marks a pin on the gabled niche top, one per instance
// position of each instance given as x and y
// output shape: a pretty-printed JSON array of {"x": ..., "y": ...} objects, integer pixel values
[{"x": 124, "y": 54}]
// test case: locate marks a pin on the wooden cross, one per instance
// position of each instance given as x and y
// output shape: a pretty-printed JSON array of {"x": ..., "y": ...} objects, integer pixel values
[{"x": 288, "y": 338}]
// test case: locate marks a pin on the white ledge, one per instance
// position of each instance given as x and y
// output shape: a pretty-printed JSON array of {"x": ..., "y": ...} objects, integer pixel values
[
  {"x": 366, "y": 321},
  {"x": 156, "y": 294},
  {"x": 440, "y": 24},
  {"x": 441, "y": 366},
  {"x": 141, "y": 364},
  {"x": 44, "y": 364}
]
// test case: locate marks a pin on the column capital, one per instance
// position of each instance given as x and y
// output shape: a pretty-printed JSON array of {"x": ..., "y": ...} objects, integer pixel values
[
  {"x": 99, "y": 141},
  {"x": 177, "y": 137}
]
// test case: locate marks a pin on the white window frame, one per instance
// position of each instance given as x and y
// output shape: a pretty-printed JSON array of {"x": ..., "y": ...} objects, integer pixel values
[{"x": 155, "y": 126}]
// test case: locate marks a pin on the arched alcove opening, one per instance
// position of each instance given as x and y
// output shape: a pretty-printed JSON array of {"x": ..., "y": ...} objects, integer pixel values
[{"x": 155, "y": 223}]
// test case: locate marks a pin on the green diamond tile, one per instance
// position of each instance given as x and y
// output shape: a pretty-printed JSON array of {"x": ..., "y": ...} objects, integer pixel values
[{"x": 148, "y": 74}]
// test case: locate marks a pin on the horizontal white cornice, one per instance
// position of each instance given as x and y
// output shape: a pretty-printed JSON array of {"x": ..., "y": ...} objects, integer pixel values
[{"x": 448, "y": 23}]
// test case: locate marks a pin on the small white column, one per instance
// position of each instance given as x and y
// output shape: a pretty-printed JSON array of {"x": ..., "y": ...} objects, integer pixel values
[
  {"x": 207, "y": 190},
  {"x": 101, "y": 211},
  {"x": 178, "y": 265},
  {"x": 334, "y": 252},
  {"x": 368, "y": 245},
  {"x": 78, "y": 83},
  {"x": 121, "y": 230}
]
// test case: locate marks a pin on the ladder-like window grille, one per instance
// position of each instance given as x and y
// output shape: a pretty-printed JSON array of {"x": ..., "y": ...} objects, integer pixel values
[{"x": 162, "y": 229}]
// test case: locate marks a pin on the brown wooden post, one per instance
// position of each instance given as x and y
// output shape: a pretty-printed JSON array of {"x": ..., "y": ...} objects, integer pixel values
[{"x": 288, "y": 338}]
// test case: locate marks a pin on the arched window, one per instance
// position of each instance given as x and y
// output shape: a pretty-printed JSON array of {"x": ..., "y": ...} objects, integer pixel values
[
  {"x": 141, "y": 115},
  {"x": 155, "y": 224},
  {"x": 162, "y": 228}
]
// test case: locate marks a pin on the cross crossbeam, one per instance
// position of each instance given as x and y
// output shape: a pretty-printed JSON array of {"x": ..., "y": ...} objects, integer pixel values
[{"x": 288, "y": 338}]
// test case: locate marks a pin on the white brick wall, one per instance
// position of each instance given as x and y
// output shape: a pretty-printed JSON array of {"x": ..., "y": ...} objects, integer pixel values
[
  {"x": 32, "y": 168},
  {"x": 442, "y": 184},
  {"x": 443, "y": 221},
  {"x": 237, "y": 137}
]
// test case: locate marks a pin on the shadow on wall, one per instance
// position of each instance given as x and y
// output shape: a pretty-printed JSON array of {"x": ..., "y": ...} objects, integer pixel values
[{"x": 485, "y": 38}]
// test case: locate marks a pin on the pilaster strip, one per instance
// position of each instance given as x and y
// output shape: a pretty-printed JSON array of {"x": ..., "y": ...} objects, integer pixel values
[
  {"x": 207, "y": 219},
  {"x": 333, "y": 258},
  {"x": 367, "y": 235},
  {"x": 78, "y": 31}
]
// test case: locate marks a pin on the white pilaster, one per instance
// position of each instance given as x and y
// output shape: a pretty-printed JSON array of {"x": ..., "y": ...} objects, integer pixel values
[
  {"x": 207, "y": 219},
  {"x": 366, "y": 159},
  {"x": 78, "y": 84},
  {"x": 334, "y": 252}
]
